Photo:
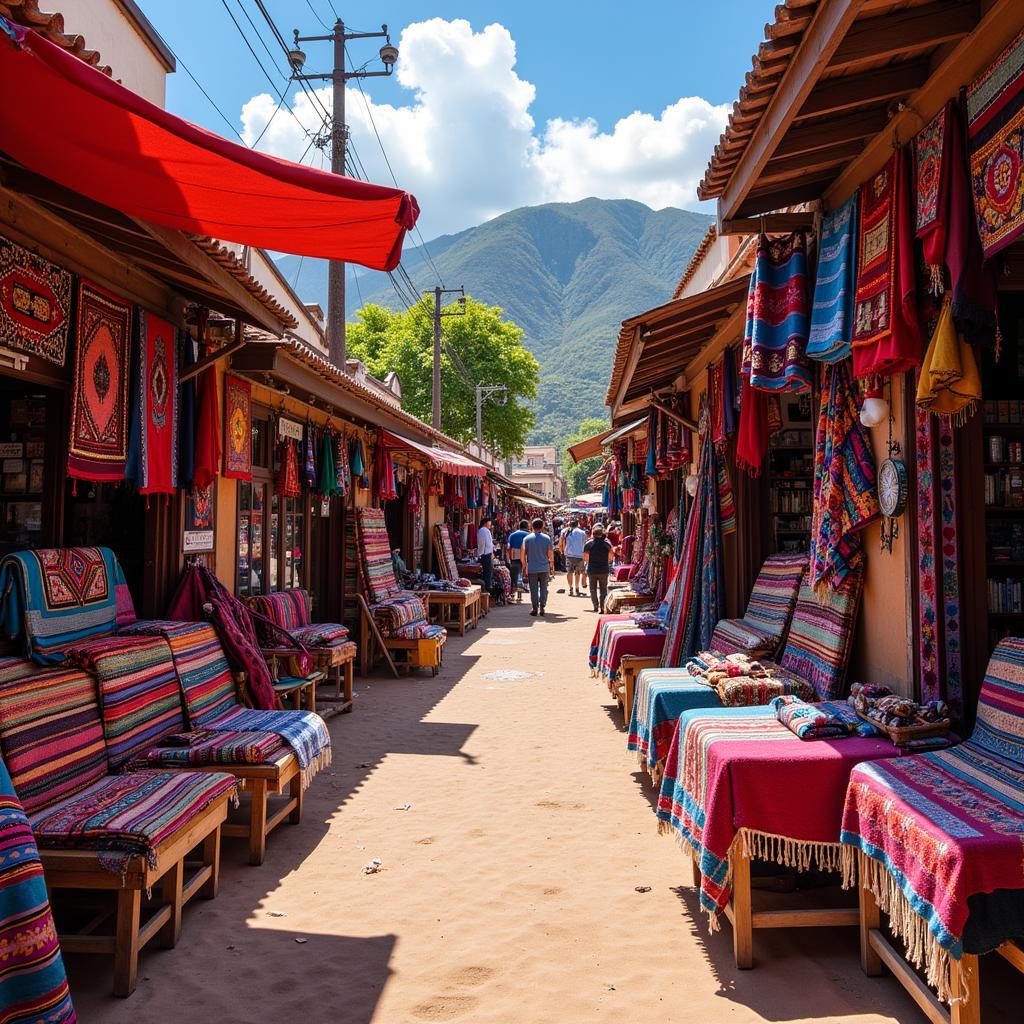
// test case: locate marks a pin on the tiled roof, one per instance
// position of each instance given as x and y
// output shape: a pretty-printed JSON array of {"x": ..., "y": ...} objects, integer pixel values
[
  {"x": 27, "y": 13},
  {"x": 696, "y": 259}
]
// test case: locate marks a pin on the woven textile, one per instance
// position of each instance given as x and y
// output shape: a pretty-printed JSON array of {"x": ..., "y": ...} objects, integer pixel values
[
  {"x": 753, "y": 691},
  {"x": 831, "y": 328},
  {"x": 33, "y": 985},
  {"x": 153, "y": 438},
  {"x": 599, "y": 630},
  {"x": 394, "y": 615},
  {"x": 769, "y": 609},
  {"x": 932, "y": 156},
  {"x": 54, "y": 598},
  {"x": 946, "y": 827},
  {"x": 237, "y": 428},
  {"x": 288, "y": 608},
  {"x": 775, "y": 340},
  {"x": 208, "y": 430},
  {"x": 809, "y": 721},
  {"x": 286, "y": 481},
  {"x": 129, "y": 815},
  {"x": 51, "y": 735},
  {"x": 35, "y": 303},
  {"x": 321, "y": 634},
  {"x": 845, "y": 493},
  {"x": 203, "y": 747},
  {"x": 13, "y": 669},
  {"x": 448, "y": 568},
  {"x": 995, "y": 131},
  {"x": 140, "y": 697},
  {"x": 739, "y": 772},
  {"x": 375, "y": 555},
  {"x": 98, "y": 449},
  {"x": 949, "y": 384}
]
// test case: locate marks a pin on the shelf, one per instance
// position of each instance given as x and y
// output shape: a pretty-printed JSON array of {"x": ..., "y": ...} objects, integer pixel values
[
  {"x": 1005, "y": 564},
  {"x": 1003, "y": 465}
]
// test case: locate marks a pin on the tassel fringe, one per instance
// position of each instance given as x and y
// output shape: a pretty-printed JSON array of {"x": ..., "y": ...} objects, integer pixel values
[
  {"x": 800, "y": 854},
  {"x": 318, "y": 764}
]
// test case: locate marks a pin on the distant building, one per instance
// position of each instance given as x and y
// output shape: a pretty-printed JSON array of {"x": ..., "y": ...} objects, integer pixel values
[{"x": 539, "y": 469}]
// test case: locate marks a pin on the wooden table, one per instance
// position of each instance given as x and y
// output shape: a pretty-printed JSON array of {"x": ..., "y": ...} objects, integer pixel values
[
  {"x": 337, "y": 661},
  {"x": 466, "y": 603}
]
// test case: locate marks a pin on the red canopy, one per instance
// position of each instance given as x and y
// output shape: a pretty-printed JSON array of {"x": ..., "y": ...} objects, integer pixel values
[
  {"x": 440, "y": 458},
  {"x": 69, "y": 122}
]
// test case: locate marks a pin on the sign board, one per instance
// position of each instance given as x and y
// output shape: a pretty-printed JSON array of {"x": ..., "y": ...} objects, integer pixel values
[
  {"x": 197, "y": 540},
  {"x": 289, "y": 428},
  {"x": 13, "y": 450}
]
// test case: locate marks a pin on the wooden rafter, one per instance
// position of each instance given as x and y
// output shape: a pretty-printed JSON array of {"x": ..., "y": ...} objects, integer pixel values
[
  {"x": 848, "y": 92},
  {"x": 807, "y": 137}
]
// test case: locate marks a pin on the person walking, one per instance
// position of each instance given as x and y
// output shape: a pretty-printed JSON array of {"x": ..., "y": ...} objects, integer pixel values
[
  {"x": 597, "y": 554},
  {"x": 539, "y": 553},
  {"x": 514, "y": 548},
  {"x": 556, "y": 532},
  {"x": 572, "y": 547},
  {"x": 485, "y": 552}
]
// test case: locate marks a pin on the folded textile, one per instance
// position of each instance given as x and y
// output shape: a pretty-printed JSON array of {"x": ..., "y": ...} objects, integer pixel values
[
  {"x": 808, "y": 721},
  {"x": 209, "y": 746},
  {"x": 399, "y": 611},
  {"x": 321, "y": 634},
  {"x": 754, "y": 690}
]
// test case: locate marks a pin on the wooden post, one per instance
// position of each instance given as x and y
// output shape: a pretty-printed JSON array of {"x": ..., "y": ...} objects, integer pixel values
[
  {"x": 966, "y": 991},
  {"x": 742, "y": 914},
  {"x": 211, "y": 858},
  {"x": 126, "y": 943},
  {"x": 870, "y": 920},
  {"x": 258, "y": 821},
  {"x": 170, "y": 889},
  {"x": 296, "y": 790}
]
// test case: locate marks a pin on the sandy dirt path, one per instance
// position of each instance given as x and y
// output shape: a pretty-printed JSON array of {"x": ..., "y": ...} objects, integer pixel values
[{"x": 507, "y": 892}]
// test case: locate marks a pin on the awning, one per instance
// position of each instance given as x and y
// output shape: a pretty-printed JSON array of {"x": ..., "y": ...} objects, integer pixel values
[
  {"x": 588, "y": 447},
  {"x": 592, "y": 500},
  {"x": 629, "y": 428},
  {"x": 445, "y": 461},
  {"x": 72, "y": 123}
]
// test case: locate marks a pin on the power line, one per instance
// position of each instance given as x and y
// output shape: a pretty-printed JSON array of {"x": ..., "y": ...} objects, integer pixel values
[
  {"x": 317, "y": 16},
  {"x": 209, "y": 98},
  {"x": 263, "y": 43},
  {"x": 270, "y": 120}
]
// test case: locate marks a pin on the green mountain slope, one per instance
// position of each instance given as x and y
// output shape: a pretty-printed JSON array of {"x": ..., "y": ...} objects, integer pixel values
[{"x": 567, "y": 273}]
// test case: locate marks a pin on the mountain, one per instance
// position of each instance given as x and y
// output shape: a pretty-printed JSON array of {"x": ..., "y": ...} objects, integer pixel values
[{"x": 567, "y": 273}]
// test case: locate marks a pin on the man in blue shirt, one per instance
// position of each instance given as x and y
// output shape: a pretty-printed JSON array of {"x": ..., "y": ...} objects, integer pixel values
[
  {"x": 539, "y": 554},
  {"x": 514, "y": 545},
  {"x": 572, "y": 547}
]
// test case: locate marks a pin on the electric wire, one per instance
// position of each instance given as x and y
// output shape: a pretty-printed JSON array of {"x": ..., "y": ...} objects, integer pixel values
[
  {"x": 209, "y": 98},
  {"x": 270, "y": 120},
  {"x": 317, "y": 16},
  {"x": 263, "y": 42}
]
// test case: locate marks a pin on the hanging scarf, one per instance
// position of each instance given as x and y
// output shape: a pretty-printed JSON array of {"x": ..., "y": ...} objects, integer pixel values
[
  {"x": 414, "y": 498},
  {"x": 384, "y": 470},
  {"x": 845, "y": 499},
  {"x": 950, "y": 385},
  {"x": 286, "y": 482},
  {"x": 752, "y": 443},
  {"x": 187, "y": 414},
  {"x": 359, "y": 463},
  {"x": 775, "y": 339},
  {"x": 931, "y": 180},
  {"x": 327, "y": 483},
  {"x": 832, "y": 308},
  {"x": 309, "y": 456},
  {"x": 342, "y": 470},
  {"x": 730, "y": 393},
  {"x": 652, "y": 441}
]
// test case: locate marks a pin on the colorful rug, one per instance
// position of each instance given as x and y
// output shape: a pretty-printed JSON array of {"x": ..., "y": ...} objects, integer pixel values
[
  {"x": 626, "y": 638},
  {"x": 208, "y": 430},
  {"x": 995, "y": 131},
  {"x": 237, "y": 428},
  {"x": 33, "y": 985},
  {"x": 775, "y": 340},
  {"x": 52, "y": 599},
  {"x": 204, "y": 747},
  {"x": 831, "y": 331},
  {"x": 35, "y": 303},
  {"x": 153, "y": 439},
  {"x": 376, "y": 564},
  {"x": 399, "y": 612},
  {"x": 732, "y": 774},
  {"x": 98, "y": 447},
  {"x": 944, "y": 829},
  {"x": 845, "y": 493},
  {"x": 447, "y": 567},
  {"x": 286, "y": 480}
]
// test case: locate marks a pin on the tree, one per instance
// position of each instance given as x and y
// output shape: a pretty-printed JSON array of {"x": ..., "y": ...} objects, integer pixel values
[
  {"x": 576, "y": 475},
  {"x": 487, "y": 350}
]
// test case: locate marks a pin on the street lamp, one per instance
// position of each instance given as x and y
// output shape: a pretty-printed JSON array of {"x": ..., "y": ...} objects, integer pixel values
[{"x": 339, "y": 137}]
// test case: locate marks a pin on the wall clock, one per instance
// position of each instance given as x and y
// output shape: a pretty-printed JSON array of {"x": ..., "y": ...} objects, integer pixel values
[{"x": 892, "y": 487}]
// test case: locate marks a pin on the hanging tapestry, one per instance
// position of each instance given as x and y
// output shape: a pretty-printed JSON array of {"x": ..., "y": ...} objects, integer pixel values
[
  {"x": 286, "y": 482},
  {"x": 186, "y": 412},
  {"x": 752, "y": 441},
  {"x": 886, "y": 334},
  {"x": 342, "y": 470},
  {"x": 995, "y": 130},
  {"x": 327, "y": 482},
  {"x": 237, "y": 428},
  {"x": 153, "y": 441},
  {"x": 384, "y": 471},
  {"x": 207, "y": 464},
  {"x": 35, "y": 303},
  {"x": 931, "y": 187},
  {"x": 309, "y": 456},
  {"x": 949, "y": 384},
  {"x": 651, "y": 467},
  {"x": 845, "y": 498},
  {"x": 832, "y": 307},
  {"x": 775, "y": 340},
  {"x": 98, "y": 448}
]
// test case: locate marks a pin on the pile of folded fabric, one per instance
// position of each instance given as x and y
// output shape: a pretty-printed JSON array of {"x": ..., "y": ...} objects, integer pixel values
[
  {"x": 890, "y": 710},
  {"x": 742, "y": 681}
]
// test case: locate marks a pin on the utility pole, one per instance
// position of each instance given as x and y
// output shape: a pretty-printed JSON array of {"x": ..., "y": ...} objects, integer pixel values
[
  {"x": 439, "y": 293},
  {"x": 483, "y": 392},
  {"x": 338, "y": 138}
]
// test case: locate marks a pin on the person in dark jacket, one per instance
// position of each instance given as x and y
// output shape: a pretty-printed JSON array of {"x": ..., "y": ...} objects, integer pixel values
[{"x": 597, "y": 556}]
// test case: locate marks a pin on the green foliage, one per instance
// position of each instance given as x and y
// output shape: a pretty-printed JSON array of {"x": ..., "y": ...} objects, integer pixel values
[
  {"x": 489, "y": 349},
  {"x": 576, "y": 475}
]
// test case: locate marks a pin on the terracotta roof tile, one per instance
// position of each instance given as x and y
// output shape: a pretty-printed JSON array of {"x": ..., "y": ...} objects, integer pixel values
[{"x": 27, "y": 13}]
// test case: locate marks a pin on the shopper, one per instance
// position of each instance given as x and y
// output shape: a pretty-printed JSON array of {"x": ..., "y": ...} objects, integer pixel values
[
  {"x": 572, "y": 547},
  {"x": 514, "y": 549},
  {"x": 539, "y": 554},
  {"x": 556, "y": 532},
  {"x": 597, "y": 554},
  {"x": 485, "y": 552}
]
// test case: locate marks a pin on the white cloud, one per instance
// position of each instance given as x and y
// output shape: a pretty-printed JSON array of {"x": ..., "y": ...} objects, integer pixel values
[{"x": 468, "y": 148}]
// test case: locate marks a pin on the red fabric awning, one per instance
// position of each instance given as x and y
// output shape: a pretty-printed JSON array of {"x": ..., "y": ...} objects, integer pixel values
[
  {"x": 73, "y": 124},
  {"x": 447, "y": 462}
]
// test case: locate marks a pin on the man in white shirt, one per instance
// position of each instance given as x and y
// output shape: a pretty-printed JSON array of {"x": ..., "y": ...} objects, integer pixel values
[
  {"x": 485, "y": 550},
  {"x": 572, "y": 547}
]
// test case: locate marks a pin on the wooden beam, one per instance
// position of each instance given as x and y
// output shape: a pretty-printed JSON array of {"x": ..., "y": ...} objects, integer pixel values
[
  {"x": 900, "y": 32},
  {"x": 627, "y": 372},
  {"x": 787, "y": 168},
  {"x": 771, "y": 224},
  {"x": 779, "y": 196},
  {"x": 197, "y": 368},
  {"x": 807, "y": 137},
  {"x": 730, "y": 331},
  {"x": 823, "y": 36},
  {"x": 835, "y": 95},
  {"x": 673, "y": 415}
]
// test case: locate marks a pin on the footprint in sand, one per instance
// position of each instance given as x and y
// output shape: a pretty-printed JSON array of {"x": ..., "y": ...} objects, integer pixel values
[
  {"x": 472, "y": 976},
  {"x": 553, "y": 891},
  {"x": 444, "y": 1007},
  {"x": 560, "y": 805},
  {"x": 425, "y": 841}
]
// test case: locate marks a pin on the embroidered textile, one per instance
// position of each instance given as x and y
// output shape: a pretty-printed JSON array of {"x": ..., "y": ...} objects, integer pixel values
[
  {"x": 949, "y": 384},
  {"x": 396, "y": 614},
  {"x": 33, "y": 985},
  {"x": 237, "y": 428},
  {"x": 831, "y": 328},
  {"x": 384, "y": 470},
  {"x": 447, "y": 566},
  {"x": 809, "y": 721},
  {"x": 845, "y": 495},
  {"x": 286, "y": 481},
  {"x": 775, "y": 340},
  {"x": 153, "y": 440},
  {"x": 35, "y": 303},
  {"x": 753, "y": 691},
  {"x": 98, "y": 447},
  {"x": 995, "y": 129},
  {"x": 204, "y": 747},
  {"x": 931, "y": 189},
  {"x": 342, "y": 470},
  {"x": 327, "y": 481}
]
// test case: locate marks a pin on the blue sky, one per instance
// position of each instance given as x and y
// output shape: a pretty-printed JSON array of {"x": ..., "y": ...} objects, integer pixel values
[{"x": 480, "y": 120}]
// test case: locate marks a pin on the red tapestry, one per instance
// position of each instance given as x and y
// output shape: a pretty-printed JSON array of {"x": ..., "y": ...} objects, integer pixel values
[
  {"x": 35, "y": 303},
  {"x": 98, "y": 448},
  {"x": 153, "y": 451},
  {"x": 207, "y": 461},
  {"x": 286, "y": 483},
  {"x": 237, "y": 428}
]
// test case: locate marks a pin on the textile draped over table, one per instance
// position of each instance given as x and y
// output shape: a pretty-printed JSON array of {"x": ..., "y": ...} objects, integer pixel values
[
  {"x": 237, "y": 428},
  {"x": 832, "y": 308},
  {"x": 98, "y": 448},
  {"x": 845, "y": 499},
  {"x": 35, "y": 303}
]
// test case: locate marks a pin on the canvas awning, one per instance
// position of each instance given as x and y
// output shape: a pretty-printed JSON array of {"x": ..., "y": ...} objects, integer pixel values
[
  {"x": 68, "y": 121},
  {"x": 629, "y": 428},
  {"x": 588, "y": 447},
  {"x": 440, "y": 459}
]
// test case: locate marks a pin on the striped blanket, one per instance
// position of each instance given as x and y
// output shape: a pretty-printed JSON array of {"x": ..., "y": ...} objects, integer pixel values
[
  {"x": 54, "y": 598},
  {"x": 739, "y": 774},
  {"x": 832, "y": 308},
  {"x": 203, "y": 747},
  {"x": 809, "y": 721},
  {"x": 397, "y": 614},
  {"x": 622, "y": 638},
  {"x": 375, "y": 556},
  {"x": 447, "y": 567},
  {"x": 944, "y": 831},
  {"x": 33, "y": 986}
]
